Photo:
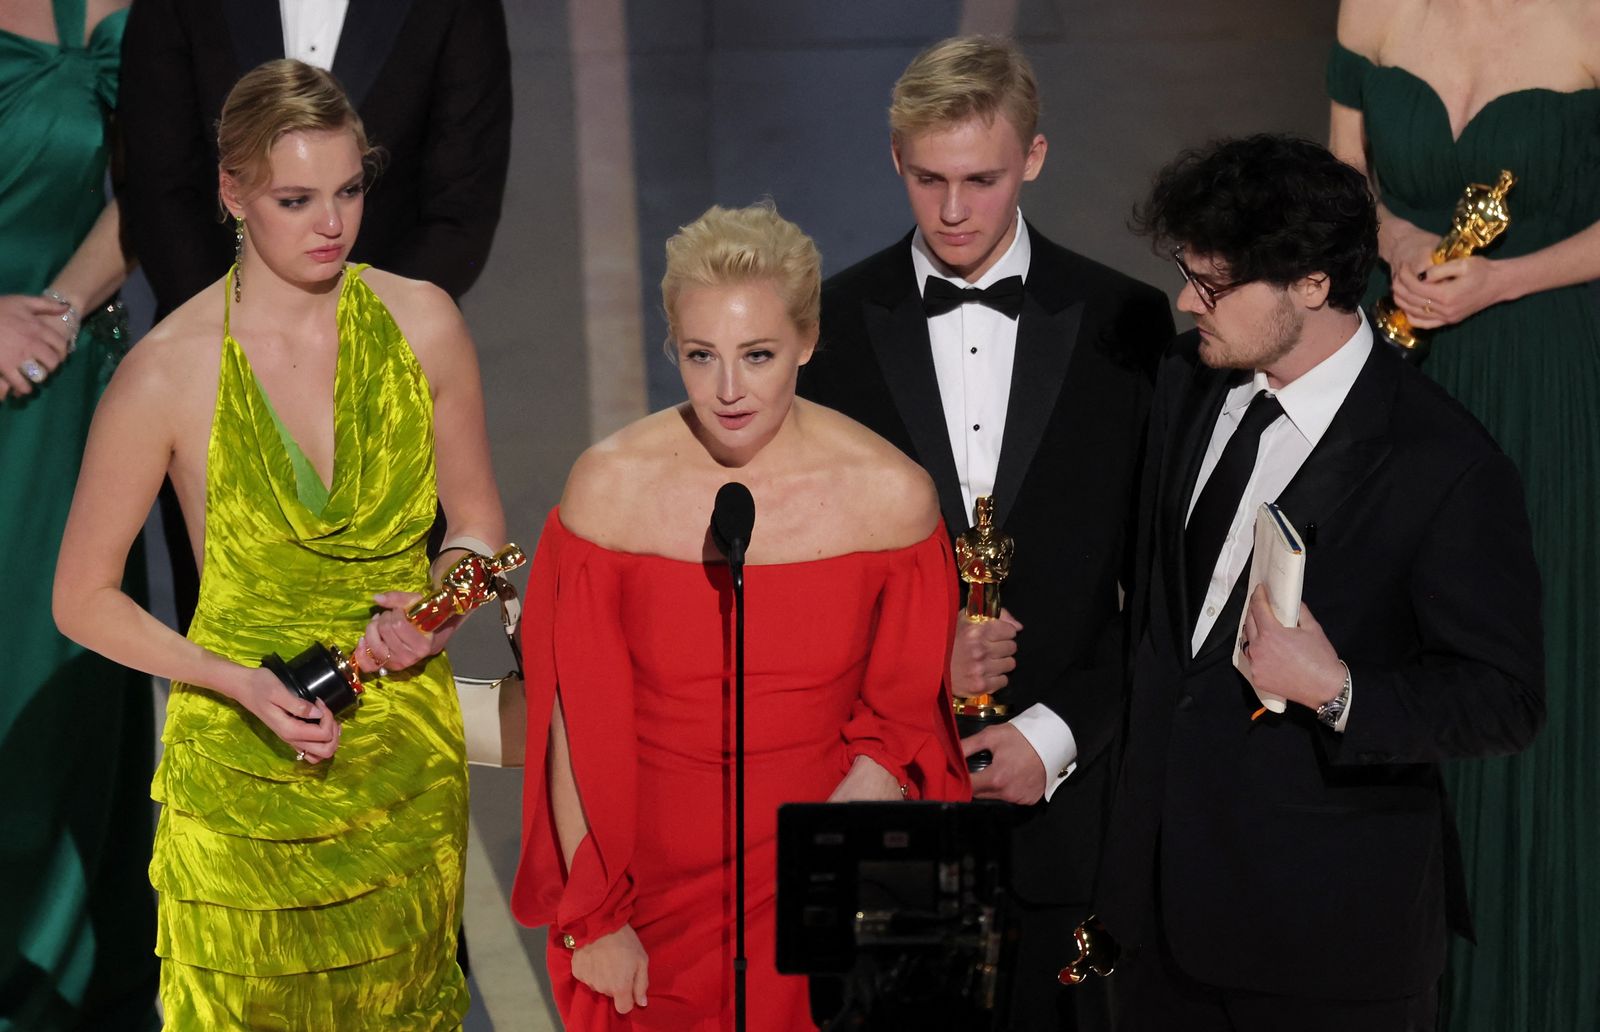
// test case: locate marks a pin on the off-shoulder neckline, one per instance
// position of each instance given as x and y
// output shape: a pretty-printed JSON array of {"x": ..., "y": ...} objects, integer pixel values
[{"x": 555, "y": 518}]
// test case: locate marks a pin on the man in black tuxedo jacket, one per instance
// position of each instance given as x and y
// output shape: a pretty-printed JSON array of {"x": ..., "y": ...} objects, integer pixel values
[
  {"x": 431, "y": 81},
  {"x": 1035, "y": 393},
  {"x": 1299, "y": 870}
]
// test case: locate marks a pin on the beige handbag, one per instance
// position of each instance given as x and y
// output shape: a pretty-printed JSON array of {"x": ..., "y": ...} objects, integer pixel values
[{"x": 494, "y": 712}]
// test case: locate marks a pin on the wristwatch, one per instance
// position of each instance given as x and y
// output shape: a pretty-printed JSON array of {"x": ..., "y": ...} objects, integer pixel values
[{"x": 1330, "y": 711}]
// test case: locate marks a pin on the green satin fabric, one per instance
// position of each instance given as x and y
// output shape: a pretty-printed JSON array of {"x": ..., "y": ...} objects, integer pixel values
[
  {"x": 295, "y": 896},
  {"x": 76, "y": 743}
]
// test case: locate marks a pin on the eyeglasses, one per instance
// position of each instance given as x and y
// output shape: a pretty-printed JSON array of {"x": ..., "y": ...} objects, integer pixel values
[{"x": 1207, "y": 294}]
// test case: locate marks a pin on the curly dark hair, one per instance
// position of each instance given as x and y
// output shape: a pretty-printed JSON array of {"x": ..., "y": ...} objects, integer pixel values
[{"x": 1268, "y": 207}]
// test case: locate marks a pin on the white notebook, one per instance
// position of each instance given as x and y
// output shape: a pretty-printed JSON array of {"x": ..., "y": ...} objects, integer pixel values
[{"x": 1279, "y": 561}]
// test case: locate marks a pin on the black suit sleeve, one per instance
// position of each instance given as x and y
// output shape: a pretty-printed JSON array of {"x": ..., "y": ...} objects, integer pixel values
[
  {"x": 170, "y": 217},
  {"x": 465, "y": 156},
  {"x": 1089, "y": 697},
  {"x": 1478, "y": 687}
]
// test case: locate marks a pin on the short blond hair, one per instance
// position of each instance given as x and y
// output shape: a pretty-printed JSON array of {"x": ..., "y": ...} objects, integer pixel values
[
  {"x": 727, "y": 246},
  {"x": 276, "y": 98},
  {"x": 962, "y": 77}
]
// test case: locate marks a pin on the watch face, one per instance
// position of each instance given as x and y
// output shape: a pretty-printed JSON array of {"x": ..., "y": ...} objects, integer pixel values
[{"x": 1330, "y": 711}]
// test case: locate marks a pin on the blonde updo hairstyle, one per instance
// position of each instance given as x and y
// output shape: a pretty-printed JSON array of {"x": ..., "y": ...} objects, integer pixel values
[
  {"x": 271, "y": 100},
  {"x": 735, "y": 246},
  {"x": 962, "y": 77}
]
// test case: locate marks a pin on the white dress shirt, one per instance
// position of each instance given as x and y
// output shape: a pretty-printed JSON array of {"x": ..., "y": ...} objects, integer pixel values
[
  {"x": 974, "y": 348},
  {"x": 311, "y": 30},
  {"x": 1309, "y": 404}
]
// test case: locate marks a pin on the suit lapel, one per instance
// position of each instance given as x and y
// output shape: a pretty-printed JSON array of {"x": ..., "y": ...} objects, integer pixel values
[
  {"x": 370, "y": 29},
  {"x": 898, "y": 331},
  {"x": 1354, "y": 446},
  {"x": 1047, "y": 333},
  {"x": 256, "y": 30}
]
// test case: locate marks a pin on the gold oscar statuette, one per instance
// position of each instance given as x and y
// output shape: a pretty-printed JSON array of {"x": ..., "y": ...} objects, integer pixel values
[
  {"x": 326, "y": 672},
  {"x": 1480, "y": 217},
  {"x": 1097, "y": 953},
  {"x": 983, "y": 557}
]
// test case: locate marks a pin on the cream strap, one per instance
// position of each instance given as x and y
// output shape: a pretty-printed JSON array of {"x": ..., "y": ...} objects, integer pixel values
[{"x": 468, "y": 543}]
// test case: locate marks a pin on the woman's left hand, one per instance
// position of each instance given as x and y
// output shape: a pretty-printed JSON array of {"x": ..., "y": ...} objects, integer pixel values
[
  {"x": 1453, "y": 291},
  {"x": 867, "y": 781},
  {"x": 391, "y": 643}
]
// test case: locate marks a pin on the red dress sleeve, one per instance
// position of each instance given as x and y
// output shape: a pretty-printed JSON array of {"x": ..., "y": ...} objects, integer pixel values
[
  {"x": 572, "y": 645},
  {"x": 902, "y": 719}
]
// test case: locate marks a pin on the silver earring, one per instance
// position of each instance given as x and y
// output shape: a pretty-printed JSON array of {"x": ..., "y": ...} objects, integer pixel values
[{"x": 238, "y": 255}]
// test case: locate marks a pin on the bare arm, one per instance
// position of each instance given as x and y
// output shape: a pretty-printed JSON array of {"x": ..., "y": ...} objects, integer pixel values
[
  {"x": 130, "y": 445},
  {"x": 98, "y": 268}
]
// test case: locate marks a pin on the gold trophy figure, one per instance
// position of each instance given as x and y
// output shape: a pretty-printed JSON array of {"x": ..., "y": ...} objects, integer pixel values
[
  {"x": 1480, "y": 217},
  {"x": 325, "y": 671},
  {"x": 983, "y": 557}
]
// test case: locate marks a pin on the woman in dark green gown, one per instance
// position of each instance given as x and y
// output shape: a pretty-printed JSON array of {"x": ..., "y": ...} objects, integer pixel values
[
  {"x": 77, "y": 917},
  {"x": 1431, "y": 96}
]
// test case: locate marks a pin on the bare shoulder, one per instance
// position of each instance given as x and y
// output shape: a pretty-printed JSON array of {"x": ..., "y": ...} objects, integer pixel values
[
  {"x": 1364, "y": 25},
  {"x": 881, "y": 491},
  {"x": 177, "y": 360},
  {"x": 613, "y": 479},
  {"x": 1583, "y": 19},
  {"x": 426, "y": 315}
]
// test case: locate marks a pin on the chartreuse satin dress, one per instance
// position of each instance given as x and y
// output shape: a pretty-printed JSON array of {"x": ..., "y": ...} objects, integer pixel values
[
  {"x": 76, "y": 745},
  {"x": 1530, "y": 371},
  {"x": 295, "y": 896}
]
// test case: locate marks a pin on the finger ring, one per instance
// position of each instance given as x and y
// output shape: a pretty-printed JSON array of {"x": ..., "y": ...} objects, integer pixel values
[
  {"x": 1427, "y": 306},
  {"x": 33, "y": 371},
  {"x": 300, "y": 755}
]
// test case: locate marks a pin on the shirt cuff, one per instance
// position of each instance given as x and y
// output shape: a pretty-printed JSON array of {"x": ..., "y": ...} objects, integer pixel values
[
  {"x": 1344, "y": 718},
  {"x": 1052, "y": 739}
]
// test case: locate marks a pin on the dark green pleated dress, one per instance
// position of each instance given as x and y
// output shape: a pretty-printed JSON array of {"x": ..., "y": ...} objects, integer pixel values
[{"x": 1530, "y": 371}]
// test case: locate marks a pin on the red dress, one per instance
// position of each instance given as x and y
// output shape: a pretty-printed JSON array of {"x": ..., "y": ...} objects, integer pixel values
[{"x": 844, "y": 657}]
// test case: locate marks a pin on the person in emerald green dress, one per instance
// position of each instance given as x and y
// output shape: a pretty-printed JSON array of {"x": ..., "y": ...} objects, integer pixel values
[
  {"x": 309, "y": 412},
  {"x": 75, "y": 729},
  {"x": 1428, "y": 96}
]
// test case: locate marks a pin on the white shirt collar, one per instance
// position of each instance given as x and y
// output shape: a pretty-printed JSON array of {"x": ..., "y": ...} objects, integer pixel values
[
  {"x": 1313, "y": 399},
  {"x": 1014, "y": 262}
]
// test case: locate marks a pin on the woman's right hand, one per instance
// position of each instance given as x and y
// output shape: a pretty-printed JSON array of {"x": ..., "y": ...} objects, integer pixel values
[
  {"x": 26, "y": 335},
  {"x": 615, "y": 965},
  {"x": 1409, "y": 253},
  {"x": 281, "y": 710}
]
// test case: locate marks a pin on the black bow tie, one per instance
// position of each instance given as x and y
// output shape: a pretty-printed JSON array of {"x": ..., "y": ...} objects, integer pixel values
[{"x": 1004, "y": 296}]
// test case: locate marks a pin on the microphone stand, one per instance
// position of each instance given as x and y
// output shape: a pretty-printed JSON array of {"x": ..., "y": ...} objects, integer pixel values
[{"x": 740, "y": 962}]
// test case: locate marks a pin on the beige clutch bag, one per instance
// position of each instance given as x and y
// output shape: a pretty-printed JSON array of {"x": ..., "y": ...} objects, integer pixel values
[{"x": 494, "y": 711}]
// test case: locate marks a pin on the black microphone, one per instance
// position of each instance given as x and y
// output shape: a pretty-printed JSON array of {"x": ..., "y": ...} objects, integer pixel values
[{"x": 733, "y": 517}]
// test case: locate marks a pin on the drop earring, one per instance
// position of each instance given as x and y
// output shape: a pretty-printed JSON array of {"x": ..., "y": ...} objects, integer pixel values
[{"x": 238, "y": 254}]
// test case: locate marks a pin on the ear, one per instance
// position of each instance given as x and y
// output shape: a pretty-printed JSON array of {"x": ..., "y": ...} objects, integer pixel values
[
  {"x": 1034, "y": 162},
  {"x": 810, "y": 339},
  {"x": 1311, "y": 291},
  {"x": 228, "y": 191}
]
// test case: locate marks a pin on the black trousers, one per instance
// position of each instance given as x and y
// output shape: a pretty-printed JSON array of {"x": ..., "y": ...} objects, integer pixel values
[{"x": 1151, "y": 994}]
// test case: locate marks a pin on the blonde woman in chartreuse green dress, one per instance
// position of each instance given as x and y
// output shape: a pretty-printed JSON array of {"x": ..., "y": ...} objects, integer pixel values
[{"x": 308, "y": 413}]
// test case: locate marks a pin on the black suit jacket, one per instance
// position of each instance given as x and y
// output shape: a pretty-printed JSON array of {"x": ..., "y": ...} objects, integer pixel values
[
  {"x": 1293, "y": 859},
  {"x": 431, "y": 80},
  {"x": 1086, "y": 343}
]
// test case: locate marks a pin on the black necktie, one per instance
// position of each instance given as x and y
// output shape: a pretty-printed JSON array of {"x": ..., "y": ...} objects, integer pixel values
[
  {"x": 1004, "y": 296},
  {"x": 1219, "y": 500}
]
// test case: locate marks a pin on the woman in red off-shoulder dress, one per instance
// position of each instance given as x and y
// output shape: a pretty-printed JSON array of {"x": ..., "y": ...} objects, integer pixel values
[{"x": 629, "y": 836}]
